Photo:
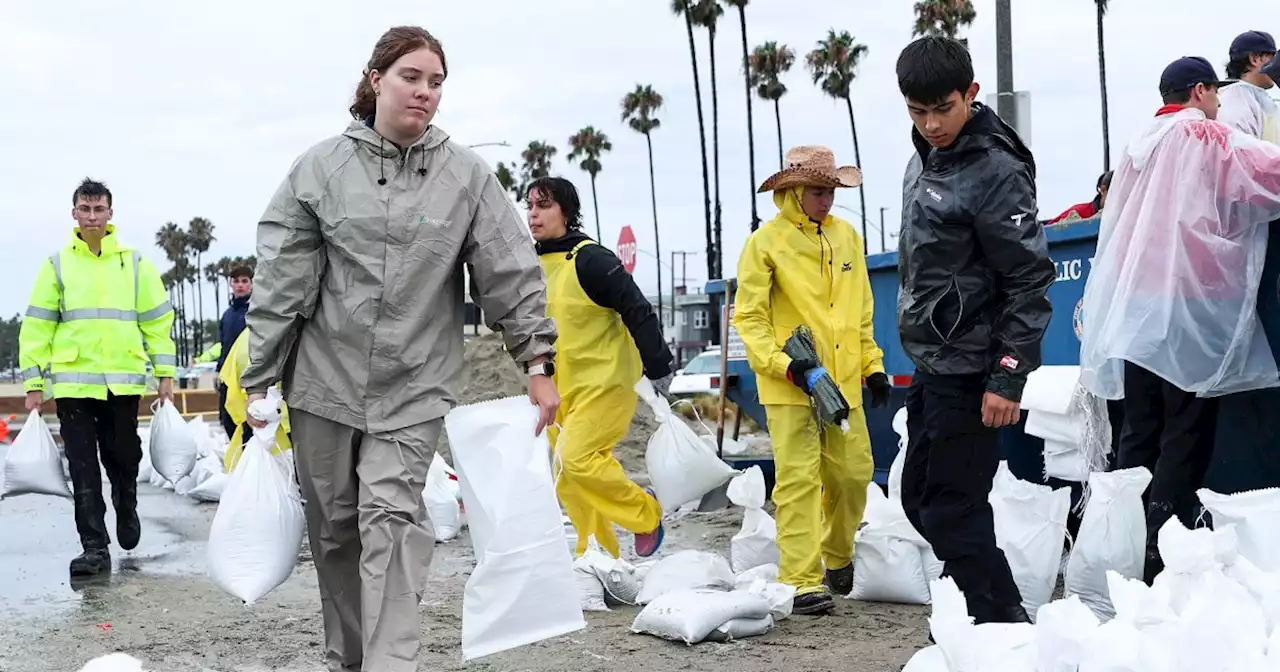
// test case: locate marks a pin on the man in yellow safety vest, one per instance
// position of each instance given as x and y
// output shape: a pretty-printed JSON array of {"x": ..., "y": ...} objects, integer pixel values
[{"x": 98, "y": 315}]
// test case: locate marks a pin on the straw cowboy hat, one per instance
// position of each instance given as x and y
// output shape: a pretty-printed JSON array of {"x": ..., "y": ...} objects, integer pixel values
[{"x": 812, "y": 166}]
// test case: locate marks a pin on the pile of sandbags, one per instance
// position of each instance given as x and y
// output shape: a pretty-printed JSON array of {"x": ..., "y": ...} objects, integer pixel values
[
  {"x": 206, "y": 478},
  {"x": 1072, "y": 422},
  {"x": 443, "y": 497},
  {"x": 693, "y": 596},
  {"x": 1216, "y": 606}
]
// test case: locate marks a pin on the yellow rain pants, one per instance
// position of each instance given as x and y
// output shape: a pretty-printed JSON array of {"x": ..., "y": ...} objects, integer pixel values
[{"x": 597, "y": 366}]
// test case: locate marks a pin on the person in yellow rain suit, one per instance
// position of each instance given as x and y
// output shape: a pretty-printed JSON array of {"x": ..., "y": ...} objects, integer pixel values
[
  {"x": 238, "y": 408},
  {"x": 807, "y": 267},
  {"x": 608, "y": 335}
]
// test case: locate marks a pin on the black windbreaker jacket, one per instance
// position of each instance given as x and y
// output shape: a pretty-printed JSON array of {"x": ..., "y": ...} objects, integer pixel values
[{"x": 973, "y": 263}]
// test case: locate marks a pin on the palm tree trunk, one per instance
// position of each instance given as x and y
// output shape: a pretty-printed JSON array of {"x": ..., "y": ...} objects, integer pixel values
[
  {"x": 657, "y": 241},
  {"x": 777, "y": 115},
  {"x": 199, "y": 306},
  {"x": 1102, "y": 78},
  {"x": 862, "y": 195},
  {"x": 715, "y": 153},
  {"x": 702, "y": 137},
  {"x": 751, "y": 133},
  {"x": 596, "y": 204}
]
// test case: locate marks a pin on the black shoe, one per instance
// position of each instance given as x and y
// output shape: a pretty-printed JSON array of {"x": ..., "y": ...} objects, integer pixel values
[
  {"x": 840, "y": 581},
  {"x": 128, "y": 528},
  {"x": 1014, "y": 614},
  {"x": 812, "y": 604},
  {"x": 91, "y": 563}
]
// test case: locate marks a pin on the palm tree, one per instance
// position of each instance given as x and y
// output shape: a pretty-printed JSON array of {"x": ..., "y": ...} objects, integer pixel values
[
  {"x": 944, "y": 17},
  {"x": 707, "y": 14},
  {"x": 507, "y": 178},
  {"x": 213, "y": 276},
  {"x": 199, "y": 238},
  {"x": 588, "y": 144},
  {"x": 639, "y": 109},
  {"x": 741, "y": 6},
  {"x": 537, "y": 163},
  {"x": 834, "y": 65},
  {"x": 685, "y": 9},
  {"x": 173, "y": 241},
  {"x": 768, "y": 62},
  {"x": 1102, "y": 78}
]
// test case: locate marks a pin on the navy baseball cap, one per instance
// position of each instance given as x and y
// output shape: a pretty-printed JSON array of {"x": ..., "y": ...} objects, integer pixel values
[
  {"x": 1253, "y": 42},
  {"x": 1186, "y": 72}
]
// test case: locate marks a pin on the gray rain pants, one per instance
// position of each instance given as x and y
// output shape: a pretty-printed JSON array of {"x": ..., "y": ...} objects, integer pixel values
[{"x": 370, "y": 537}]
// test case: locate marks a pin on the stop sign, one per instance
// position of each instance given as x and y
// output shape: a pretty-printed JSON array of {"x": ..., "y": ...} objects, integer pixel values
[{"x": 627, "y": 249}]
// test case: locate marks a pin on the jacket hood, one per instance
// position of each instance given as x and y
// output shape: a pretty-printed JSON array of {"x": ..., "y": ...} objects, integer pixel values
[
  {"x": 984, "y": 131},
  {"x": 565, "y": 244},
  {"x": 1142, "y": 147}
]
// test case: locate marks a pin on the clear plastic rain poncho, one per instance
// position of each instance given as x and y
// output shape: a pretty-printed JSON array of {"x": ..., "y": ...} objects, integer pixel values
[{"x": 1175, "y": 278}]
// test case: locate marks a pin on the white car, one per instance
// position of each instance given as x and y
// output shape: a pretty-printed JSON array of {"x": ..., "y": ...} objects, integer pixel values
[{"x": 700, "y": 376}]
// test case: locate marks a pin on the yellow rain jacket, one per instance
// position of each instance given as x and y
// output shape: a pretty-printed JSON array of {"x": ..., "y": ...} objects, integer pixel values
[
  {"x": 237, "y": 406},
  {"x": 210, "y": 355},
  {"x": 598, "y": 309},
  {"x": 792, "y": 272},
  {"x": 94, "y": 322}
]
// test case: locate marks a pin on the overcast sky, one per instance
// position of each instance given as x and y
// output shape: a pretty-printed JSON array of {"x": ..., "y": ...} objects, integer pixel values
[{"x": 198, "y": 109}]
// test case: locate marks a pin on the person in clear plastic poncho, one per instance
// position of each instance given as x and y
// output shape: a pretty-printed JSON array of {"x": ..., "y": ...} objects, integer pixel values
[{"x": 1169, "y": 309}]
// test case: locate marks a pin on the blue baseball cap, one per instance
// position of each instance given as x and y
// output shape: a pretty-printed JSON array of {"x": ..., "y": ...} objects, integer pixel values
[
  {"x": 1186, "y": 72},
  {"x": 1253, "y": 42}
]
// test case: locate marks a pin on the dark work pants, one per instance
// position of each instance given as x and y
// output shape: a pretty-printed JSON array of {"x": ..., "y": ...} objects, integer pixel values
[
  {"x": 1170, "y": 432},
  {"x": 946, "y": 482},
  {"x": 229, "y": 425},
  {"x": 94, "y": 429}
]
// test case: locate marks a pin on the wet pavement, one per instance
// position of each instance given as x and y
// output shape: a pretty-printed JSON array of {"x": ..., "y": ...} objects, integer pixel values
[{"x": 38, "y": 540}]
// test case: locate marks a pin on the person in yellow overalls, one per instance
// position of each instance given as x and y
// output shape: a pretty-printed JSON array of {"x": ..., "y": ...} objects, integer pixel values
[
  {"x": 237, "y": 405},
  {"x": 807, "y": 267},
  {"x": 609, "y": 336}
]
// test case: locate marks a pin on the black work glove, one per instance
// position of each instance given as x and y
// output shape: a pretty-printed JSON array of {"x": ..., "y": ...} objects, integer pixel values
[
  {"x": 878, "y": 385},
  {"x": 797, "y": 371}
]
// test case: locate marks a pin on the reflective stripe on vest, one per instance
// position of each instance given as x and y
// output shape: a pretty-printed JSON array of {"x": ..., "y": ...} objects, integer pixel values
[
  {"x": 64, "y": 315},
  {"x": 31, "y": 373},
  {"x": 164, "y": 360},
  {"x": 99, "y": 378},
  {"x": 43, "y": 313}
]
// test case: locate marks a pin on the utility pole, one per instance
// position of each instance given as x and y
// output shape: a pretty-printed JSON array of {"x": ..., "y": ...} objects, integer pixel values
[
  {"x": 882, "y": 242},
  {"x": 1006, "y": 104}
]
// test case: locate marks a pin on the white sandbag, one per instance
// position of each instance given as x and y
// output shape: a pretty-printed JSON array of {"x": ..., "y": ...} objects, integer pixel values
[
  {"x": 211, "y": 489},
  {"x": 888, "y": 568},
  {"x": 1256, "y": 516},
  {"x": 780, "y": 596},
  {"x": 681, "y": 466},
  {"x": 441, "y": 497},
  {"x": 1008, "y": 647},
  {"x": 114, "y": 662},
  {"x": 1263, "y": 586},
  {"x": 933, "y": 567},
  {"x": 617, "y": 577},
  {"x": 741, "y": 628},
  {"x": 1065, "y": 461},
  {"x": 690, "y": 615},
  {"x": 1031, "y": 528},
  {"x": 257, "y": 530},
  {"x": 1063, "y": 630},
  {"x": 1273, "y": 650},
  {"x": 1050, "y": 389},
  {"x": 1112, "y": 537},
  {"x": 144, "y": 467},
  {"x": 184, "y": 485},
  {"x": 202, "y": 435},
  {"x": 1059, "y": 428},
  {"x": 766, "y": 573},
  {"x": 590, "y": 590},
  {"x": 899, "y": 460},
  {"x": 523, "y": 589},
  {"x": 686, "y": 570},
  {"x": 33, "y": 465},
  {"x": 173, "y": 447},
  {"x": 928, "y": 659},
  {"x": 757, "y": 542}
]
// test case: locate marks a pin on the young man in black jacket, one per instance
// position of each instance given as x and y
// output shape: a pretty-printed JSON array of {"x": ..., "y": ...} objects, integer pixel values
[
  {"x": 241, "y": 281},
  {"x": 974, "y": 269}
]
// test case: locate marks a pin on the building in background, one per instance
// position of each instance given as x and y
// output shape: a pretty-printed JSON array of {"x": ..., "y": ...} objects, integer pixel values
[{"x": 688, "y": 326}]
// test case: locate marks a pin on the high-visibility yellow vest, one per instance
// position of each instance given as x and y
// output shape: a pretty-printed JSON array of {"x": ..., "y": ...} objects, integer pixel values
[{"x": 95, "y": 322}]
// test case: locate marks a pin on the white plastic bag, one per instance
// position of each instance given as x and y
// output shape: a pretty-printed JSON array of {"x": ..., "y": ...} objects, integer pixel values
[
  {"x": 1113, "y": 537},
  {"x": 144, "y": 467},
  {"x": 888, "y": 558},
  {"x": 690, "y": 615},
  {"x": 766, "y": 573},
  {"x": 780, "y": 596},
  {"x": 115, "y": 662},
  {"x": 1031, "y": 528},
  {"x": 173, "y": 447},
  {"x": 928, "y": 659},
  {"x": 686, "y": 570},
  {"x": 590, "y": 590},
  {"x": 1256, "y": 516},
  {"x": 211, "y": 489},
  {"x": 682, "y": 467},
  {"x": 523, "y": 588},
  {"x": 757, "y": 542},
  {"x": 441, "y": 498},
  {"x": 1008, "y": 647},
  {"x": 34, "y": 464},
  {"x": 257, "y": 530},
  {"x": 1063, "y": 630},
  {"x": 899, "y": 460}
]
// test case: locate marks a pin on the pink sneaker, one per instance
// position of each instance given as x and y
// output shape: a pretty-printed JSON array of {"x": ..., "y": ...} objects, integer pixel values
[{"x": 648, "y": 544}]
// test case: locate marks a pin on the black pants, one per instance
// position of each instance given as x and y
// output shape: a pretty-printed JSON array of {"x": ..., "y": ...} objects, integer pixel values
[
  {"x": 946, "y": 481},
  {"x": 229, "y": 425},
  {"x": 94, "y": 429},
  {"x": 1170, "y": 432}
]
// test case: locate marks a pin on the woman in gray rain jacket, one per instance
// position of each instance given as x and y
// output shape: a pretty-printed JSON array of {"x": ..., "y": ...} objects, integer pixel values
[{"x": 358, "y": 310}]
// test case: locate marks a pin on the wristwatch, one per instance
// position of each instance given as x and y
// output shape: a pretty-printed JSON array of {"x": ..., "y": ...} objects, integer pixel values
[{"x": 547, "y": 369}]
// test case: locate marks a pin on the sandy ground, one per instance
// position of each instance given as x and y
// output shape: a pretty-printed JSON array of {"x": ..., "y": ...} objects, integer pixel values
[{"x": 159, "y": 606}]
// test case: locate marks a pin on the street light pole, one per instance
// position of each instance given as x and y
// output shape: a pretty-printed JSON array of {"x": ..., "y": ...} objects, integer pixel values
[
  {"x": 1006, "y": 105},
  {"x": 882, "y": 243},
  {"x": 489, "y": 144}
]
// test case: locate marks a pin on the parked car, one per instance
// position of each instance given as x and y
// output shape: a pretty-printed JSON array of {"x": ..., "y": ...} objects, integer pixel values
[{"x": 700, "y": 376}]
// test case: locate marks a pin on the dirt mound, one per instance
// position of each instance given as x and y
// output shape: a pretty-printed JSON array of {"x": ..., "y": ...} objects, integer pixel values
[{"x": 490, "y": 374}]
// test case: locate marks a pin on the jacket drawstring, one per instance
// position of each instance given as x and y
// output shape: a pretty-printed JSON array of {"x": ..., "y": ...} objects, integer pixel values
[
  {"x": 422, "y": 164},
  {"x": 382, "y": 162}
]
